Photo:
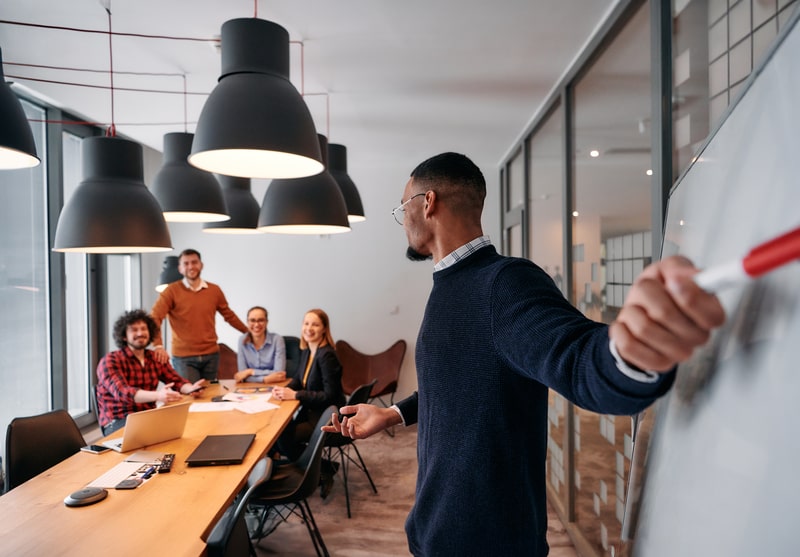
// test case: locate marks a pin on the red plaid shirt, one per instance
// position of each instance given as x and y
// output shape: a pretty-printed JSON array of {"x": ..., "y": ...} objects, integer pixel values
[{"x": 120, "y": 375}]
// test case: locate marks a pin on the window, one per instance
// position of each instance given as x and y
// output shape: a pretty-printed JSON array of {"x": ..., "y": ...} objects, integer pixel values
[
  {"x": 24, "y": 338},
  {"x": 76, "y": 292},
  {"x": 58, "y": 308}
]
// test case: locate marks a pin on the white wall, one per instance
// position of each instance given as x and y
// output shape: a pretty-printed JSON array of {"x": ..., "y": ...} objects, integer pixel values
[{"x": 371, "y": 292}]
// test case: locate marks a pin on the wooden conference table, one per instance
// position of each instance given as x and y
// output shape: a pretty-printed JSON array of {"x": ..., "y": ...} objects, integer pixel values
[{"x": 170, "y": 514}]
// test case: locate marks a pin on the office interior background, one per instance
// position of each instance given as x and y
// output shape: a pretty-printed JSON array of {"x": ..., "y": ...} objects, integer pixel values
[{"x": 581, "y": 115}]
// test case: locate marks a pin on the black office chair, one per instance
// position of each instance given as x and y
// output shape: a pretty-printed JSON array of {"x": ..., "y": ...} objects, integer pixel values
[
  {"x": 36, "y": 443},
  {"x": 230, "y": 537},
  {"x": 292, "y": 354},
  {"x": 343, "y": 444},
  {"x": 288, "y": 489}
]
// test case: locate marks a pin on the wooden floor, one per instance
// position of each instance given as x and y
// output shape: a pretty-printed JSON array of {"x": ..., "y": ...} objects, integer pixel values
[{"x": 376, "y": 528}]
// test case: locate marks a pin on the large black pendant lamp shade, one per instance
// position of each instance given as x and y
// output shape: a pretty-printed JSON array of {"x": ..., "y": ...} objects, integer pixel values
[
  {"x": 17, "y": 148},
  {"x": 310, "y": 205},
  {"x": 255, "y": 123},
  {"x": 337, "y": 166},
  {"x": 169, "y": 273},
  {"x": 111, "y": 210},
  {"x": 242, "y": 207},
  {"x": 186, "y": 193}
]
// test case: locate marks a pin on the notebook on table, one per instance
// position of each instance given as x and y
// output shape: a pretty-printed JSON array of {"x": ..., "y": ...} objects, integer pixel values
[
  {"x": 149, "y": 427},
  {"x": 218, "y": 450}
]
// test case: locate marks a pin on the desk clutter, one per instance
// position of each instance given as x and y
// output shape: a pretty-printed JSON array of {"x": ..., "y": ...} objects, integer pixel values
[
  {"x": 250, "y": 400},
  {"x": 135, "y": 470},
  {"x": 41, "y": 499},
  {"x": 128, "y": 474}
]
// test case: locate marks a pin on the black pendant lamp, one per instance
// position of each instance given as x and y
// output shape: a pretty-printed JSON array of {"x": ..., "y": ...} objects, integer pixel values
[
  {"x": 310, "y": 205},
  {"x": 255, "y": 124},
  {"x": 111, "y": 210},
  {"x": 169, "y": 273},
  {"x": 242, "y": 207},
  {"x": 186, "y": 193},
  {"x": 17, "y": 148},
  {"x": 337, "y": 166}
]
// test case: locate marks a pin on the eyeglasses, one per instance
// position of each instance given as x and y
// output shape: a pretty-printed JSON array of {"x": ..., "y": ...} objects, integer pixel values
[
  {"x": 258, "y": 320},
  {"x": 399, "y": 212}
]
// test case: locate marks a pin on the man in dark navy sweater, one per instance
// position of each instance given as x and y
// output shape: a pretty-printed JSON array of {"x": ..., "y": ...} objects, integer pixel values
[{"x": 496, "y": 335}]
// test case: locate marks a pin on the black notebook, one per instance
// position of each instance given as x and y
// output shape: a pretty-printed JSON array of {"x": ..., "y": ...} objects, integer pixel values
[{"x": 217, "y": 450}]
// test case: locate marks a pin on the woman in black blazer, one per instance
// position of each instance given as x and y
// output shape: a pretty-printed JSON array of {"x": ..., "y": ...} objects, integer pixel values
[{"x": 317, "y": 382}]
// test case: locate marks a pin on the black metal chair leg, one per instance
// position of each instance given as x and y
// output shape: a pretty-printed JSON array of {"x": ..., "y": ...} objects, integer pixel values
[
  {"x": 344, "y": 478},
  {"x": 313, "y": 530},
  {"x": 364, "y": 468}
]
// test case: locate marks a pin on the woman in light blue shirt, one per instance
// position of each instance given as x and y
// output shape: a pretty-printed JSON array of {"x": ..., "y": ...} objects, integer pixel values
[{"x": 261, "y": 355}]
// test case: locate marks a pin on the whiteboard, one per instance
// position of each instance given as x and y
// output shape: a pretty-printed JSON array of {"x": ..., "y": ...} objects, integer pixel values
[{"x": 722, "y": 475}]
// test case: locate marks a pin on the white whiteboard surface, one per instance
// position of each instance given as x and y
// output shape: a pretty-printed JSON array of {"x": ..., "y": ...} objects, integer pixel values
[{"x": 723, "y": 469}]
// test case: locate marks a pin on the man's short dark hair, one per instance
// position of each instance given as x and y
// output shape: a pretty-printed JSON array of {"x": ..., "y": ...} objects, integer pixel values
[
  {"x": 190, "y": 251},
  {"x": 129, "y": 318},
  {"x": 453, "y": 174}
]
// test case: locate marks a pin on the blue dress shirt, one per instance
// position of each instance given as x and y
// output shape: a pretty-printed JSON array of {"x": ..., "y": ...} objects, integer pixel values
[{"x": 270, "y": 357}]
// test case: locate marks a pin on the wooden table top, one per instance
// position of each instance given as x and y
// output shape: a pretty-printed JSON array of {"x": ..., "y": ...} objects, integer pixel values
[{"x": 170, "y": 514}]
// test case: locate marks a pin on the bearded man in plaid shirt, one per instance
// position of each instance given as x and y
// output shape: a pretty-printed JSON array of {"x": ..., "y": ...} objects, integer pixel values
[{"x": 128, "y": 378}]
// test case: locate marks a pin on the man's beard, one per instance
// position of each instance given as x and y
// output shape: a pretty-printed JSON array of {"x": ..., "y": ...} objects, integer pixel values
[
  {"x": 139, "y": 343},
  {"x": 414, "y": 255}
]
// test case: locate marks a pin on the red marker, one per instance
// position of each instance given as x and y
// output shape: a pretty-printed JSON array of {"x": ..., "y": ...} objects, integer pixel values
[{"x": 761, "y": 259}]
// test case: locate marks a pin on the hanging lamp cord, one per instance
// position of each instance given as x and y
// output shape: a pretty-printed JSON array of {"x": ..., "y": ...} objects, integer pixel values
[{"x": 112, "y": 129}]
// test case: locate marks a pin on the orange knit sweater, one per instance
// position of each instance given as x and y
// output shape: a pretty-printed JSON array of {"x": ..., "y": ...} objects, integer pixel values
[{"x": 192, "y": 318}]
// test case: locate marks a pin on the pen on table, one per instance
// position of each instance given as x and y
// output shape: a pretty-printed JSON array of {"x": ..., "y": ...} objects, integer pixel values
[
  {"x": 763, "y": 258},
  {"x": 149, "y": 472},
  {"x": 225, "y": 387}
]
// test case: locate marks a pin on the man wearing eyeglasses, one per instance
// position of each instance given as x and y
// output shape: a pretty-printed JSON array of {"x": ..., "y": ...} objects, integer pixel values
[{"x": 496, "y": 335}]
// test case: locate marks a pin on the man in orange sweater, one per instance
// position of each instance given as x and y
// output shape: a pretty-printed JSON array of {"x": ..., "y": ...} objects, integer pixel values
[{"x": 191, "y": 305}]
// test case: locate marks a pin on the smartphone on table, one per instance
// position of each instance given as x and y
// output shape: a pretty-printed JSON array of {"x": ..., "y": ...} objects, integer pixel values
[{"x": 95, "y": 449}]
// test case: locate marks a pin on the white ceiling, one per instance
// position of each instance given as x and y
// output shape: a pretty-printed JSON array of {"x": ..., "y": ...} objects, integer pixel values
[{"x": 395, "y": 81}]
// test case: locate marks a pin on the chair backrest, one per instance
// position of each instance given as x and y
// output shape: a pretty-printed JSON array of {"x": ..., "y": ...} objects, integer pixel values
[
  {"x": 36, "y": 443},
  {"x": 359, "y": 368},
  {"x": 362, "y": 393},
  {"x": 292, "y": 354},
  {"x": 228, "y": 365},
  {"x": 230, "y": 536}
]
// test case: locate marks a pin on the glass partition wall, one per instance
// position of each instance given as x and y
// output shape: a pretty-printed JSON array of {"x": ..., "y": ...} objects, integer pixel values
[
  {"x": 582, "y": 195},
  {"x": 716, "y": 44},
  {"x": 610, "y": 223}
]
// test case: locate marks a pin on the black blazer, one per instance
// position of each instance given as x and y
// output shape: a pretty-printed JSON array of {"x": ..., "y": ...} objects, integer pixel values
[{"x": 324, "y": 385}]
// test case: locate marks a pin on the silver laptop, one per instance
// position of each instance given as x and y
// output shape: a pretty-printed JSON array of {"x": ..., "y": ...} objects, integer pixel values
[{"x": 149, "y": 427}]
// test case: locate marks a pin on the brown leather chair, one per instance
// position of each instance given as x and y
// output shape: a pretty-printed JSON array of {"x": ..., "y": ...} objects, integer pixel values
[
  {"x": 359, "y": 368},
  {"x": 228, "y": 366}
]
